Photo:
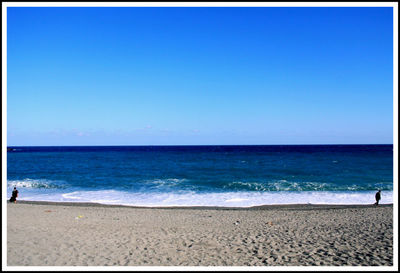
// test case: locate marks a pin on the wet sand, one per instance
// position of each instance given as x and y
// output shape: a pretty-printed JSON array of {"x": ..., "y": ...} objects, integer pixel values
[{"x": 73, "y": 234}]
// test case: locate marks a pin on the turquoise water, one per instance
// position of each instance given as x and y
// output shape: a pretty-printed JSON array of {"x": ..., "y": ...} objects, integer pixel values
[{"x": 238, "y": 176}]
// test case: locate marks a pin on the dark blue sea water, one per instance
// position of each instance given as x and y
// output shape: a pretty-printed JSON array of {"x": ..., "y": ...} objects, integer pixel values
[{"x": 229, "y": 176}]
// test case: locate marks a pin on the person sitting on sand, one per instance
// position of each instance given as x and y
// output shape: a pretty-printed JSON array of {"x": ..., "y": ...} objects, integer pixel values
[
  {"x": 14, "y": 195},
  {"x": 377, "y": 197}
]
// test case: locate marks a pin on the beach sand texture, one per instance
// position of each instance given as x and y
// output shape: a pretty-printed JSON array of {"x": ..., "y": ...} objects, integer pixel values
[{"x": 45, "y": 234}]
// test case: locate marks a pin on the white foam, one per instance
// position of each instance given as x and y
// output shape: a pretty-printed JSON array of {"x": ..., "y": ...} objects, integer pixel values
[
  {"x": 227, "y": 199},
  {"x": 34, "y": 183},
  {"x": 236, "y": 200},
  {"x": 170, "y": 182},
  {"x": 280, "y": 185},
  {"x": 70, "y": 196}
]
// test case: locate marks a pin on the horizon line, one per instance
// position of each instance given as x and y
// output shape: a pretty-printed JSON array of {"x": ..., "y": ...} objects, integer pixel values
[{"x": 139, "y": 145}]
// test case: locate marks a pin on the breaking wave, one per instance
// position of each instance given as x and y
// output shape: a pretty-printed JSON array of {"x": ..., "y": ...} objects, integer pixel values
[
  {"x": 284, "y": 185},
  {"x": 36, "y": 183}
]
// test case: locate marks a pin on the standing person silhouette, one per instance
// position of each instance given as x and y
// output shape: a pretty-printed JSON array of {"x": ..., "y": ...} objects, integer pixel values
[
  {"x": 14, "y": 195},
  {"x": 377, "y": 197}
]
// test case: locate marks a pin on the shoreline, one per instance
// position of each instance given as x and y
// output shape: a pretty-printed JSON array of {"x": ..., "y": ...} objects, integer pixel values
[
  {"x": 240, "y": 199},
  {"x": 261, "y": 207}
]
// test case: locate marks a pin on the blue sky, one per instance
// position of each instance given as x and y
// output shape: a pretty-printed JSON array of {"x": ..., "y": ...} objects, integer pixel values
[{"x": 170, "y": 76}]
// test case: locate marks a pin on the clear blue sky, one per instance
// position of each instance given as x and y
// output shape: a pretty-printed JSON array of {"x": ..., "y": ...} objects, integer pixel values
[{"x": 155, "y": 76}]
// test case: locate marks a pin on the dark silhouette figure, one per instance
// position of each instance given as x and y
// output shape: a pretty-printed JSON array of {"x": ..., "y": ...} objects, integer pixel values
[
  {"x": 377, "y": 197},
  {"x": 14, "y": 195}
]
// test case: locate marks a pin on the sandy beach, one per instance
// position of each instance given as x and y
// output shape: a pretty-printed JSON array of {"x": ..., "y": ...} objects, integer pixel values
[{"x": 61, "y": 234}]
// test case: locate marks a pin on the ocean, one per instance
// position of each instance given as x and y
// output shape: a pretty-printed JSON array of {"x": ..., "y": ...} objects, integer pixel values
[{"x": 226, "y": 176}]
